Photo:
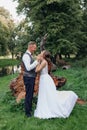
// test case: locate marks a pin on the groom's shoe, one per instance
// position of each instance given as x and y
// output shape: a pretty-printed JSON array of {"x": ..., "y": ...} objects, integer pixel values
[{"x": 28, "y": 115}]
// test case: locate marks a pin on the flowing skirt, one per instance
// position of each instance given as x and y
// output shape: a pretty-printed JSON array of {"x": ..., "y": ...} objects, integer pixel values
[{"x": 52, "y": 103}]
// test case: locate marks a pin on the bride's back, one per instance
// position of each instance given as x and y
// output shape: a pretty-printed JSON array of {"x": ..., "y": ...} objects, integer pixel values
[{"x": 44, "y": 70}]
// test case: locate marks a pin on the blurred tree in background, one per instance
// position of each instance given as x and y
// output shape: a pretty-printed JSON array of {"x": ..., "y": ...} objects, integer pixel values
[
  {"x": 6, "y": 27},
  {"x": 63, "y": 20}
]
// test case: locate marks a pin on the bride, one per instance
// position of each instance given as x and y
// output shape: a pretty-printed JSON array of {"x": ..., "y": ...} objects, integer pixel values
[{"x": 52, "y": 103}]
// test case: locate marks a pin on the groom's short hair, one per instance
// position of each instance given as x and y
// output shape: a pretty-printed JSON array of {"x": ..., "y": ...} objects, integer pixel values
[{"x": 31, "y": 43}]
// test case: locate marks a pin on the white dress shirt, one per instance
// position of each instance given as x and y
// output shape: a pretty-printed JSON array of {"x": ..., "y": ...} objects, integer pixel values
[{"x": 26, "y": 60}]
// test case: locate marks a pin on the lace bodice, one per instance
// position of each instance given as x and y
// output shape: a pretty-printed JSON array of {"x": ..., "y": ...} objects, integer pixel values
[{"x": 44, "y": 70}]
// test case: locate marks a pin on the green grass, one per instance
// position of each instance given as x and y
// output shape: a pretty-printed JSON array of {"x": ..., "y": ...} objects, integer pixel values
[
  {"x": 12, "y": 116},
  {"x": 8, "y": 62}
]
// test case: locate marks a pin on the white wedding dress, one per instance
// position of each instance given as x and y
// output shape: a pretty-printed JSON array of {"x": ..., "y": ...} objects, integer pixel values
[{"x": 52, "y": 103}]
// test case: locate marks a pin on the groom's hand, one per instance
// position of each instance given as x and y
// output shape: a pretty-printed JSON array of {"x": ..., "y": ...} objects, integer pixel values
[{"x": 38, "y": 58}]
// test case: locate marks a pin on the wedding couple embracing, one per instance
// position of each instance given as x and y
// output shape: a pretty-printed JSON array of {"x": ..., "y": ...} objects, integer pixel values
[{"x": 51, "y": 103}]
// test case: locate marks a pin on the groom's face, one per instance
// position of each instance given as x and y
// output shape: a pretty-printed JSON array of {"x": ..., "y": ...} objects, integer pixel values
[{"x": 32, "y": 48}]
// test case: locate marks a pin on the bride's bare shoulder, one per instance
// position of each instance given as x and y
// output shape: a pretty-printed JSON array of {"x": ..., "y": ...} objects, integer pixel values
[
  {"x": 44, "y": 62},
  {"x": 41, "y": 66}
]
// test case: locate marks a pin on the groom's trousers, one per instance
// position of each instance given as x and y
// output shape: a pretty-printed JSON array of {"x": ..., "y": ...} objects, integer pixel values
[{"x": 29, "y": 88}]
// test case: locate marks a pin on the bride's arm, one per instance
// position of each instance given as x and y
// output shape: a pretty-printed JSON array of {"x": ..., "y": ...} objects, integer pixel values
[{"x": 40, "y": 66}]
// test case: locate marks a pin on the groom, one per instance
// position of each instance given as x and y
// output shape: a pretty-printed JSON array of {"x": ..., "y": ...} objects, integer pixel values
[{"x": 29, "y": 75}]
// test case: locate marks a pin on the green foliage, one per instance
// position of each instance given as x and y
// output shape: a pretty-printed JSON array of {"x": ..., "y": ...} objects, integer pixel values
[
  {"x": 13, "y": 105},
  {"x": 8, "y": 98},
  {"x": 82, "y": 63},
  {"x": 6, "y": 27},
  {"x": 11, "y": 100},
  {"x": 23, "y": 34},
  {"x": 83, "y": 35},
  {"x": 61, "y": 19},
  {"x": 51, "y": 1},
  {"x": 8, "y": 62},
  {"x": 65, "y": 47}
]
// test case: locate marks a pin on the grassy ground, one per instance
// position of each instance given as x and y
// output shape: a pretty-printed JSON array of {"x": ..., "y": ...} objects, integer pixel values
[
  {"x": 8, "y": 62},
  {"x": 12, "y": 115}
]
